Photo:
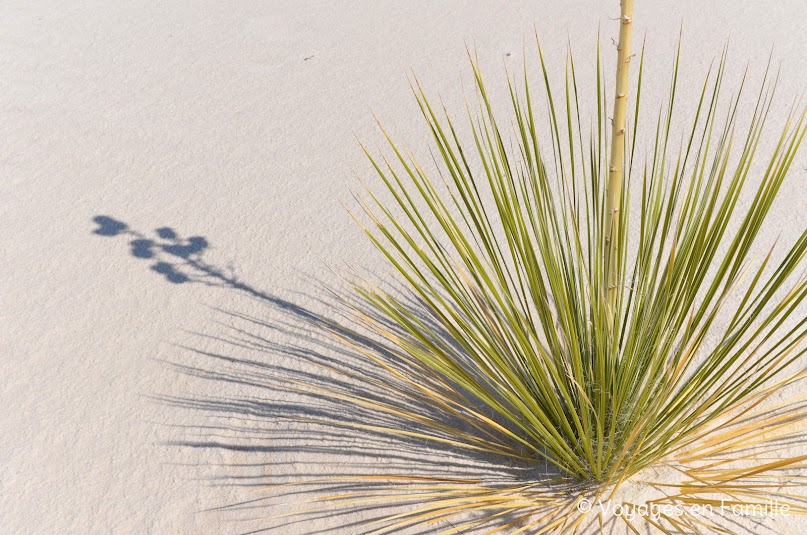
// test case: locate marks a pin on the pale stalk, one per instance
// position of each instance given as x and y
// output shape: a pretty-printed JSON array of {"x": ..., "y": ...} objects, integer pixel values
[{"x": 615, "y": 169}]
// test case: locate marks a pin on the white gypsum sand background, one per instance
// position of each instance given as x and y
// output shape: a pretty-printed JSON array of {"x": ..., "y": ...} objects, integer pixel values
[{"x": 234, "y": 121}]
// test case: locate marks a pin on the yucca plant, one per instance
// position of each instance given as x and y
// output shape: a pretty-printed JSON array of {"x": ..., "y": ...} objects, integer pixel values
[{"x": 587, "y": 308}]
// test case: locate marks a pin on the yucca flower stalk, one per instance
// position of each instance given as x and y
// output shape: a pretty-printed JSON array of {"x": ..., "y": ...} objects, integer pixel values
[
  {"x": 553, "y": 337},
  {"x": 615, "y": 170}
]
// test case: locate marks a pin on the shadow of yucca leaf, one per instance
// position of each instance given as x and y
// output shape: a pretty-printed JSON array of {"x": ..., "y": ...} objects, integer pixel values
[{"x": 351, "y": 410}]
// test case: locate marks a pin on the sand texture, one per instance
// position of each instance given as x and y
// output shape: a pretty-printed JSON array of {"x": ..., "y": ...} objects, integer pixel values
[{"x": 172, "y": 176}]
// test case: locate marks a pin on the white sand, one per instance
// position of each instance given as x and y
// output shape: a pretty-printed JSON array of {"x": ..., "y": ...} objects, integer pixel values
[{"x": 232, "y": 121}]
